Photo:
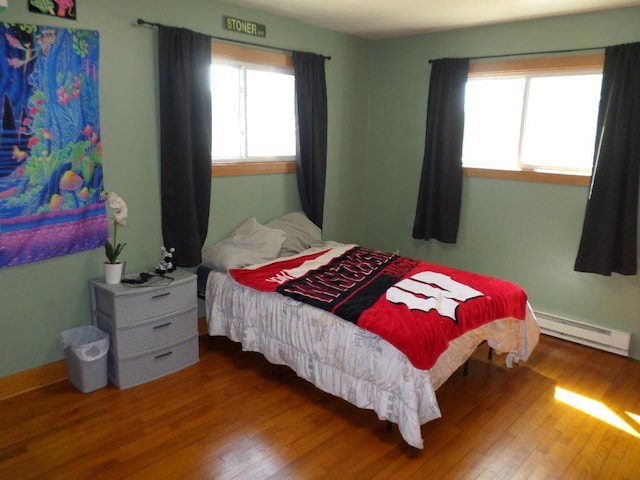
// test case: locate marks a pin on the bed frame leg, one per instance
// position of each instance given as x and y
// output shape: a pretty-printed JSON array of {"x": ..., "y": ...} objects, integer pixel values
[
  {"x": 280, "y": 372},
  {"x": 465, "y": 367},
  {"x": 389, "y": 426}
]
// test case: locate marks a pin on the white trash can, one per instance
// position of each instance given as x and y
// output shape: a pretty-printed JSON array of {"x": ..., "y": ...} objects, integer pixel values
[{"x": 85, "y": 349}]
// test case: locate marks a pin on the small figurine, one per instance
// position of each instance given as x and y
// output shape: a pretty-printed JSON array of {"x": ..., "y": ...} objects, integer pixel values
[{"x": 165, "y": 264}]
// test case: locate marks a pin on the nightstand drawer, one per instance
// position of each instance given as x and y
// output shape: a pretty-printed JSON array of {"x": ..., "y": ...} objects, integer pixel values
[
  {"x": 131, "y": 371},
  {"x": 145, "y": 303},
  {"x": 150, "y": 334}
]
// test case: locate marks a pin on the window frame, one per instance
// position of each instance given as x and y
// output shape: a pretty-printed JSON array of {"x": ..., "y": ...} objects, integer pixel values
[
  {"x": 580, "y": 63},
  {"x": 260, "y": 57}
]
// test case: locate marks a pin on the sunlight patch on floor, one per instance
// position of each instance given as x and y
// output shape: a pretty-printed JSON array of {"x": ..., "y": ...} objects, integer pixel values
[
  {"x": 634, "y": 416},
  {"x": 596, "y": 409}
]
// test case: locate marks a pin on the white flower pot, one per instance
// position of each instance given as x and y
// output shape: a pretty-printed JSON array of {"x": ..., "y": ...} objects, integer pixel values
[{"x": 113, "y": 272}]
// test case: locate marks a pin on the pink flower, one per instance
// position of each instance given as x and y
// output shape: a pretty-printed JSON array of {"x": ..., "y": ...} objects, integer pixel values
[
  {"x": 15, "y": 62},
  {"x": 13, "y": 41}
]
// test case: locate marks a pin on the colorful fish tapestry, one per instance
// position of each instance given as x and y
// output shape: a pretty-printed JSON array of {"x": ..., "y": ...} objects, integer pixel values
[{"x": 50, "y": 148}]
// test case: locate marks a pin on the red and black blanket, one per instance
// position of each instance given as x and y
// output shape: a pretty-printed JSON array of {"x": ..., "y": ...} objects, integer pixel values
[{"x": 416, "y": 306}]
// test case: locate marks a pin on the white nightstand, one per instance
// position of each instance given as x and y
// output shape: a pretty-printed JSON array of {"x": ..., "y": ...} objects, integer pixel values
[{"x": 153, "y": 327}]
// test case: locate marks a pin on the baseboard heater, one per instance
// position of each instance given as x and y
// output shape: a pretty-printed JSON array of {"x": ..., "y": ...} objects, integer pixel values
[{"x": 597, "y": 337}]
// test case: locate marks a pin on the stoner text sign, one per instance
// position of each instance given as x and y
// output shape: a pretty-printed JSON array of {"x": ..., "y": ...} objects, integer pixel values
[{"x": 244, "y": 26}]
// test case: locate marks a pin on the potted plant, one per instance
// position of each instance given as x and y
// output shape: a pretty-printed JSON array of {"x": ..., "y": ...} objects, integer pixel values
[{"x": 112, "y": 266}]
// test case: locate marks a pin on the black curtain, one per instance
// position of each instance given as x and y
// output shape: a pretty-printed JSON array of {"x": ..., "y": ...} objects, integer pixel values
[
  {"x": 185, "y": 130},
  {"x": 311, "y": 155},
  {"x": 609, "y": 234},
  {"x": 440, "y": 193}
]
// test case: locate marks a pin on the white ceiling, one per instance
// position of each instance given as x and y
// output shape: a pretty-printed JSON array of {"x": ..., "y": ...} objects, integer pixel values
[{"x": 394, "y": 18}]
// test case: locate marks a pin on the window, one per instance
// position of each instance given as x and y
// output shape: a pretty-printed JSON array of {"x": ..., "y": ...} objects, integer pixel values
[
  {"x": 532, "y": 119},
  {"x": 254, "y": 124}
]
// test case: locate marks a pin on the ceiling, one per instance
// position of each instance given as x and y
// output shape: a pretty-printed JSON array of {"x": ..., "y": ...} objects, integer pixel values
[{"x": 395, "y": 18}]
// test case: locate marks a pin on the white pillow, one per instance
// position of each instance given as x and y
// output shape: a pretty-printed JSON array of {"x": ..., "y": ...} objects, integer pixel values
[
  {"x": 250, "y": 243},
  {"x": 301, "y": 232}
]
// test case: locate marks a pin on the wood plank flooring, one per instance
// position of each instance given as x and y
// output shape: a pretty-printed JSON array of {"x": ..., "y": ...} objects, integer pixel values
[{"x": 229, "y": 417}]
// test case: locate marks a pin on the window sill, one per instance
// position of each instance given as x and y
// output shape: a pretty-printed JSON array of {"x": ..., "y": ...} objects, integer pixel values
[
  {"x": 252, "y": 168},
  {"x": 528, "y": 176}
]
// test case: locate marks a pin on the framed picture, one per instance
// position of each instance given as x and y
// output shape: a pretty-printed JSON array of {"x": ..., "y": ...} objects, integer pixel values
[{"x": 56, "y": 8}]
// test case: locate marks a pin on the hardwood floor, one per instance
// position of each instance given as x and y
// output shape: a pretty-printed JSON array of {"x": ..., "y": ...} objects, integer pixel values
[{"x": 229, "y": 417}]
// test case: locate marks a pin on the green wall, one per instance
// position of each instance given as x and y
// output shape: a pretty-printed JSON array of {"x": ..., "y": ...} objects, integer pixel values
[
  {"x": 40, "y": 300},
  {"x": 520, "y": 231}
]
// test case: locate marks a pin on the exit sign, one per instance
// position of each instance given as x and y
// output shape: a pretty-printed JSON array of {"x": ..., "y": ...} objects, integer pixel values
[{"x": 244, "y": 26}]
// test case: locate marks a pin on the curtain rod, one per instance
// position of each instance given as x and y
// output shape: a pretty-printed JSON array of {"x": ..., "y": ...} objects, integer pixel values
[
  {"x": 548, "y": 52},
  {"x": 224, "y": 39}
]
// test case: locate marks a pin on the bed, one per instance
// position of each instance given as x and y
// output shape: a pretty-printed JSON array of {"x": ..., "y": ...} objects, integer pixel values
[{"x": 336, "y": 354}]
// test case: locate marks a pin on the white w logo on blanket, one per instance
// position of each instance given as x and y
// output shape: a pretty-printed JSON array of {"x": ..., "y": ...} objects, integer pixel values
[{"x": 431, "y": 291}]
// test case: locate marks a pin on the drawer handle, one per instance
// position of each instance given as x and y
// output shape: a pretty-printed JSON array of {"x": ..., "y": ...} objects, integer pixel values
[
  {"x": 163, "y": 355},
  {"x": 162, "y": 326},
  {"x": 166, "y": 294}
]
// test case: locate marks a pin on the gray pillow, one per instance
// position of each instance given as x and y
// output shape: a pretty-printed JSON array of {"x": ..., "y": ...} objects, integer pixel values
[
  {"x": 301, "y": 233},
  {"x": 249, "y": 244}
]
